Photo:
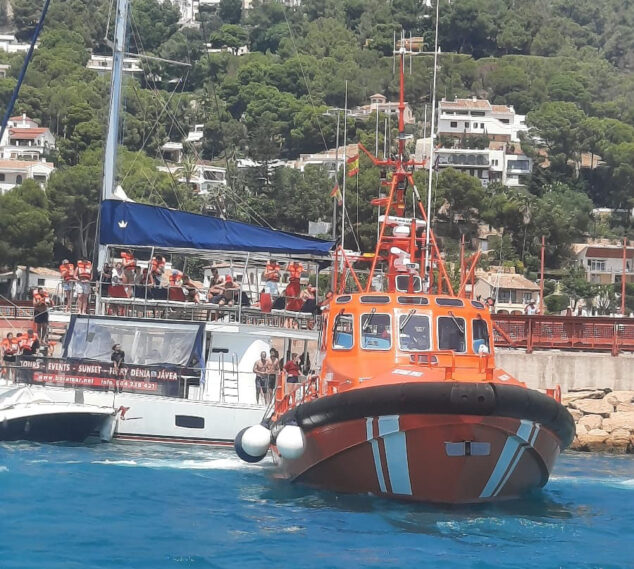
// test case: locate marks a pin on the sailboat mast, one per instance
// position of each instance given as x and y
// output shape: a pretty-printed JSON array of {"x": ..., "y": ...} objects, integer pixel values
[
  {"x": 118, "y": 50},
  {"x": 110, "y": 163},
  {"x": 431, "y": 153}
]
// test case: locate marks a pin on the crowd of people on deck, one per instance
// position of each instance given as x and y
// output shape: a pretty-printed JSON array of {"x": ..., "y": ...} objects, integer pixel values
[
  {"x": 133, "y": 279},
  {"x": 18, "y": 344}
]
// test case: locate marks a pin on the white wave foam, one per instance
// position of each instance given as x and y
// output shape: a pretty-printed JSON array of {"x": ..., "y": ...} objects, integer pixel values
[
  {"x": 594, "y": 481},
  {"x": 4, "y": 469},
  {"x": 116, "y": 462}
]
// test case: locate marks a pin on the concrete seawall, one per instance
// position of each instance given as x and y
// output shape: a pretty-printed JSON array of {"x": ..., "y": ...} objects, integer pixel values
[{"x": 571, "y": 370}]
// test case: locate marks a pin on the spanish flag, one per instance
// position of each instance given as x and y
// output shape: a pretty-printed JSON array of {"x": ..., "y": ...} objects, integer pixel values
[
  {"x": 336, "y": 193},
  {"x": 353, "y": 165}
]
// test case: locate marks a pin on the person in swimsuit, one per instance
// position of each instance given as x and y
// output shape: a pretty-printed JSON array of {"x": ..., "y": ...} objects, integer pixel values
[{"x": 261, "y": 369}]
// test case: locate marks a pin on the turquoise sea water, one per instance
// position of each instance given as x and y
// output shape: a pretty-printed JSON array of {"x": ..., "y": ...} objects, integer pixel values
[{"x": 143, "y": 506}]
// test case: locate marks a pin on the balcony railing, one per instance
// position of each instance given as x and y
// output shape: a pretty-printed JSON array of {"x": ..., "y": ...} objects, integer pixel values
[{"x": 587, "y": 334}]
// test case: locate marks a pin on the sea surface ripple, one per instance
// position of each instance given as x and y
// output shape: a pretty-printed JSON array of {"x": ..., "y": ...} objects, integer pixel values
[{"x": 135, "y": 506}]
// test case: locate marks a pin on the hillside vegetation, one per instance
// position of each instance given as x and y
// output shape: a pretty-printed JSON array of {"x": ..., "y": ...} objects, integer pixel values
[{"x": 567, "y": 64}]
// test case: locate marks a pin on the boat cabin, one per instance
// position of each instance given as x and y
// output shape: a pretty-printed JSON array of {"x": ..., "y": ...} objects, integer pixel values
[{"x": 372, "y": 332}]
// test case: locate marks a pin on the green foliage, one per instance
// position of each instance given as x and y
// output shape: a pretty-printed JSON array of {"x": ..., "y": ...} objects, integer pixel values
[
  {"x": 576, "y": 285},
  {"x": 555, "y": 303},
  {"x": 25, "y": 228}
]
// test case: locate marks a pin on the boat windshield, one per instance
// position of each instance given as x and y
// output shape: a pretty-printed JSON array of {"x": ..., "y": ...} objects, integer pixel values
[
  {"x": 144, "y": 343},
  {"x": 376, "y": 331},
  {"x": 480, "y": 336},
  {"x": 342, "y": 332},
  {"x": 414, "y": 332},
  {"x": 451, "y": 333}
]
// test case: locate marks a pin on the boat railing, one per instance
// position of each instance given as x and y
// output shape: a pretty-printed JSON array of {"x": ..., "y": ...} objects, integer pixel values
[
  {"x": 300, "y": 393},
  {"x": 451, "y": 363}
]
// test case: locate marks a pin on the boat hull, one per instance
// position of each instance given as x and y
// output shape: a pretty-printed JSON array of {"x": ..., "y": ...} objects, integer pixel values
[
  {"x": 53, "y": 427},
  {"x": 444, "y": 457}
]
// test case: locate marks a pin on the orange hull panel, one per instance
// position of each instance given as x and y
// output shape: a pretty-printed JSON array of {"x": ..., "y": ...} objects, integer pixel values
[{"x": 431, "y": 458}]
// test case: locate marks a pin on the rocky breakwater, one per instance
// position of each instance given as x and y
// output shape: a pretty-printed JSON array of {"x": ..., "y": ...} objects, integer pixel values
[{"x": 604, "y": 419}]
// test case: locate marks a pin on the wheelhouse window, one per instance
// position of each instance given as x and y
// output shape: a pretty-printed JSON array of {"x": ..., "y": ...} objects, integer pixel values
[
  {"x": 480, "y": 336},
  {"x": 402, "y": 283},
  {"x": 376, "y": 331},
  {"x": 413, "y": 333},
  {"x": 451, "y": 333},
  {"x": 343, "y": 332}
]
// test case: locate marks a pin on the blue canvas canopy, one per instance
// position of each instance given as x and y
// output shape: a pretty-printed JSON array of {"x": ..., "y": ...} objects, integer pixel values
[{"x": 129, "y": 224}]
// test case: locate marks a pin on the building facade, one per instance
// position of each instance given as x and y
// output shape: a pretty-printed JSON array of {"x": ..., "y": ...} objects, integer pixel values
[
  {"x": 510, "y": 291},
  {"x": 603, "y": 262}
]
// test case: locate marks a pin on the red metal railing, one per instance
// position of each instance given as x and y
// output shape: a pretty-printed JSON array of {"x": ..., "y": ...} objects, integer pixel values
[{"x": 564, "y": 333}]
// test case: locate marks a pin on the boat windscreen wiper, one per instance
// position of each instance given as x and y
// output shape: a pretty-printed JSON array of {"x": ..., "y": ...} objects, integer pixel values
[
  {"x": 455, "y": 321},
  {"x": 369, "y": 320},
  {"x": 407, "y": 319}
]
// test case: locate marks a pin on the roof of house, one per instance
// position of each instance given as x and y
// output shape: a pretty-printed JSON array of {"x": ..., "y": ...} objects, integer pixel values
[
  {"x": 23, "y": 164},
  {"x": 501, "y": 109},
  {"x": 378, "y": 95},
  {"x": 466, "y": 104},
  {"x": 508, "y": 280},
  {"x": 27, "y": 132},
  {"x": 20, "y": 117},
  {"x": 42, "y": 271},
  {"x": 607, "y": 252}
]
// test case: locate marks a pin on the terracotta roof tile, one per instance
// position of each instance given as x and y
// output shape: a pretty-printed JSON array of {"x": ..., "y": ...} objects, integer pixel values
[{"x": 466, "y": 104}]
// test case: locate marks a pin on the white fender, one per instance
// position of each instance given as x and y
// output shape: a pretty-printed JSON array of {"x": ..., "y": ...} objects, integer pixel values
[
  {"x": 291, "y": 442},
  {"x": 256, "y": 440}
]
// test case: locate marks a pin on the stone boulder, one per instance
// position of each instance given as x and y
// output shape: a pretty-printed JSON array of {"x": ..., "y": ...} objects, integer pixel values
[
  {"x": 619, "y": 420},
  {"x": 617, "y": 397},
  {"x": 618, "y": 441},
  {"x": 593, "y": 440},
  {"x": 571, "y": 396},
  {"x": 593, "y": 406},
  {"x": 590, "y": 422},
  {"x": 625, "y": 407},
  {"x": 576, "y": 414}
]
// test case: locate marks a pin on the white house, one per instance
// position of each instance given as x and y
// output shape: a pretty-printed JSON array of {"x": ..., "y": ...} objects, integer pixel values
[
  {"x": 510, "y": 291},
  {"x": 477, "y": 117},
  {"x": 380, "y": 103},
  {"x": 18, "y": 284},
  {"x": 14, "y": 172},
  {"x": 103, "y": 64},
  {"x": 603, "y": 262},
  {"x": 25, "y": 140},
  {"x": 205, "y": 176},
  {"x": 10, "y": 44}
]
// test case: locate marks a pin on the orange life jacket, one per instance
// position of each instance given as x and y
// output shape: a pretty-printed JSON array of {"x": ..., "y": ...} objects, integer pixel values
[
  {"x": 175, "y": 277},
  {"x": 84, "y": 270},
  {"x": 295, "y": 270},
  {"x": 270, "y": 273},
  {"x": 129, "y": 262},
  {"x": 9, "y": 347},
  {"x": 68, "y": 271},
  {"x": 40, "y": 298},
  {"x": 157, "y": 265},
  {"x": 28, "y": 341}
]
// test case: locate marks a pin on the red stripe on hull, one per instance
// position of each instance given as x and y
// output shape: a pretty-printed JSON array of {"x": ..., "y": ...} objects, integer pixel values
[{"x": 414, "y": 462}]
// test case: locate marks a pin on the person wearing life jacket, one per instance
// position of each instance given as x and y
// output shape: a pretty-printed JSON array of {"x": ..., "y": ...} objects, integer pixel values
[
  {"x": 30, "y": 343},
  {"x": 41, "y": 304},
  {"x": 157, "y": 268},
  {"x": 129, "y": 264},
  {"x": 67, "y": 271},
  {"x": 272, "y": 277},
  {"x": 9, "y": 349},
  {"x": 176, "y": 278},
  {"x": 82, "y": 287},
  {"x": 293, "y": 289}
]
